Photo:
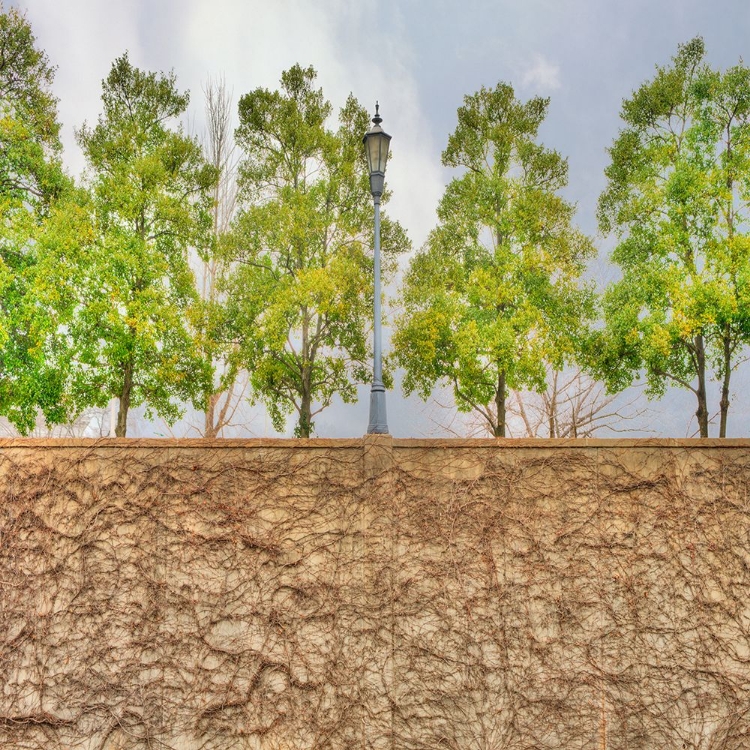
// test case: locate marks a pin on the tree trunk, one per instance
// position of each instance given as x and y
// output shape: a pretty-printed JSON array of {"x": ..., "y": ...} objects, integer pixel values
[
  {"x": 500, "y": 404},
  {"x": 122, "y": 414},
  {"x": 552, "y": 405},
  {"x": 726, "y": 338},
  {"x": 209, "y": 428},
  {"x": 724, "y": 403},
  {"x": 304, "y": 426},
  {"x": 702, "y": 412}
]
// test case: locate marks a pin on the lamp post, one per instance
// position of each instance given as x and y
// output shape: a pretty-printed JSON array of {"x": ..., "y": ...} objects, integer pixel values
[{"x": 376, "y": 147}]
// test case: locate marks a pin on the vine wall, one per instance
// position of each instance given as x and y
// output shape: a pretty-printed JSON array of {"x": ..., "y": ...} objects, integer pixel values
[{"x": 375, "y": 593}]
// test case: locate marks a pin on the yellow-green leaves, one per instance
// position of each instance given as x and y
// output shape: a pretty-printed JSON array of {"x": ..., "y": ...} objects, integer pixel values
[
  {"x": 128, "y": 330},
  {"x": 493, "y": 295},
  {"x": 676, "y": 197},
  {"x": 31, "y": 179},
  {"x": 300, "y": 285}
]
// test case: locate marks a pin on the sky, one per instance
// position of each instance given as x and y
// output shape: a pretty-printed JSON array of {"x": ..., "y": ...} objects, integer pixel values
[{"x": 418, "y": 58}]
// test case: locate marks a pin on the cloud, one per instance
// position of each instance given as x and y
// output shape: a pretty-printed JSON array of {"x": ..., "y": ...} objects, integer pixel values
[
  {"x": 542, "y": 75},
  {"x": 82, "y": 38},
  {"x": 260, "y": 40}
]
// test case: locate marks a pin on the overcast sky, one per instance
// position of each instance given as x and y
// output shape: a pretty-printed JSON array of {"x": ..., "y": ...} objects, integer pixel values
[{"x": 418, "y": 58}]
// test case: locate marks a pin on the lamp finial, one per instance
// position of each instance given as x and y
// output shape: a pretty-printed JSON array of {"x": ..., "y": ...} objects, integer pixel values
[{"x": 377, "y": 119}]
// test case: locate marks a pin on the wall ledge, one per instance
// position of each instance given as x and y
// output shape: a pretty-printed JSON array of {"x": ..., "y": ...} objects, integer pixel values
[{"x": 401, "y": 443}]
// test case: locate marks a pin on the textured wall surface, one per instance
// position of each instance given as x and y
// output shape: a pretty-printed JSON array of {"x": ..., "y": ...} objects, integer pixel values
[{"x": 376, "y": 593}]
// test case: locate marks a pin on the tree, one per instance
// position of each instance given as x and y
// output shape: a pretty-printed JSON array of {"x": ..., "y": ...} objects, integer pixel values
[
  {"x": 224, "y": 393},
  {"x": 574, "y": 405},
  {"x": 677, "y": 198},
  {"x": 300, "y": 294},
  {"x": 31, "y": 179},
  {"x": 29, "y": 131},
  {"x": 131, "y": 284},
  {"x": 493, "y": 296}
]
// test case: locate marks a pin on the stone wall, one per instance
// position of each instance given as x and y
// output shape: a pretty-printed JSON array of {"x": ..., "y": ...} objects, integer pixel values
[{"x": 376, "y": 593}]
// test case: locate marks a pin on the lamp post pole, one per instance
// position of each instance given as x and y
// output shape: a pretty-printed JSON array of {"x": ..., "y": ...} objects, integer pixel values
[
  {"x": 376, "y": 147},
  {"x": 378, "y": 419}
]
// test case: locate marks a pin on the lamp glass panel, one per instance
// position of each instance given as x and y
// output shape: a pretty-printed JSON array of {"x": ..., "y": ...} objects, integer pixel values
[
  {"x": 377, "y": 151},
  {"x": 373, "y": 152},
  {"x": 385, "y": 141},
  {"x": 376, "y": 148}
]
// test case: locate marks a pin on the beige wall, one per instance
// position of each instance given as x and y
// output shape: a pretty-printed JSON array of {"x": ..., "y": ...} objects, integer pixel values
[{"x": 374, "y": 593}]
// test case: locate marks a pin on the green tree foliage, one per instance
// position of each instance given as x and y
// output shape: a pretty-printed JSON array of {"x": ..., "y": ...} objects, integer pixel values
[
  {"x": 493, "y": 296},
  {"x": 29, "y": 130},
  {"x": 301, "y": 291},
  {"x": 677, "y": 198},
  {"x": 31, "y": 178},
  {"x": 124, "y": 296}
]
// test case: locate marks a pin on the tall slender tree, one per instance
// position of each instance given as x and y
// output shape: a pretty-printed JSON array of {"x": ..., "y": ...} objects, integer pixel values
[
  {"x": 494, "y": 297},
  {"x": 150, "y": 201},
  {"x": 301, "y": 289},
  {"x": 677, "y": 199},
  {"x": 229, "y": 382}
]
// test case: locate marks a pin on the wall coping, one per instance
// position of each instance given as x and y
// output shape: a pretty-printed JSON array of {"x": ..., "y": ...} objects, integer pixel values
[{"x": 384, "y": 440}]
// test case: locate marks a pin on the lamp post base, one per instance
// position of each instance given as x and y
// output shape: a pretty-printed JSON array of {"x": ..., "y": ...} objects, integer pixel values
[{"x": 378, "y": 420}]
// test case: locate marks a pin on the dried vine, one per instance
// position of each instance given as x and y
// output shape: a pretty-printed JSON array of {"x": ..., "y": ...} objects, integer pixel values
[{"x": 272, "y": 594}]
